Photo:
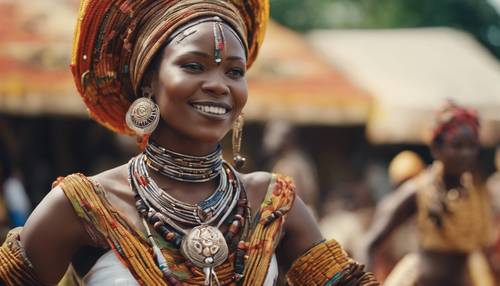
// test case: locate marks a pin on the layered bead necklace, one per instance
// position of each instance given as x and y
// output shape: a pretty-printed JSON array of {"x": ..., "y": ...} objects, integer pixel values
[{"x": 194, "y": 228}]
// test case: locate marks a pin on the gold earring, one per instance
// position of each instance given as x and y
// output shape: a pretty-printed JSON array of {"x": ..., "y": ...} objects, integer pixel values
[
  {"x": 143, "y": 114},
  {"x": 238, "y": 160}
]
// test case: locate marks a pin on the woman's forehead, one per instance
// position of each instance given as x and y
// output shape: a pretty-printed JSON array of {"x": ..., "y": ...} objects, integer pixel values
[{"x": 203, "y": 37}]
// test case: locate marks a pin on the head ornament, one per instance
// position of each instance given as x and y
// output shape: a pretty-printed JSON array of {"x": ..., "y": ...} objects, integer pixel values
[{"x": 116, "y": 41}]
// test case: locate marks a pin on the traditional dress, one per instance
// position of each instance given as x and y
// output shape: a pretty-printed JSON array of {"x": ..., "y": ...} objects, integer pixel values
[
  {"x": 465, "y": 225},
  {"x": 130, "y": 246}
]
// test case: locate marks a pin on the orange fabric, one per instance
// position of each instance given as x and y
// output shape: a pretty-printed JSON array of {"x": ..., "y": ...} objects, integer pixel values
[
  {"x": 327, "y": 264},
  {"x": 15, "y": 269},
  {"x": 90, "y": 204},
  {"x": 116, "y": 40}
]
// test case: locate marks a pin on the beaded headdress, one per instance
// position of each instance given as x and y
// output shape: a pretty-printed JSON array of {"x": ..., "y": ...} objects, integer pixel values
[
  {"x": 116, "y": 41},
  {"x": 451, "y": 117}
]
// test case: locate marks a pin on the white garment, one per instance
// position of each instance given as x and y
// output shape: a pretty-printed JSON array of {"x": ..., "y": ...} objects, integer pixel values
[
  {"x": 108, "y": 270},
  {"x": 15, "y": 196}
]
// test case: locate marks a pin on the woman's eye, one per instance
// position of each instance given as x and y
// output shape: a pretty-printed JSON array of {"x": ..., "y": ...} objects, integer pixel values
[
  {"x": 194, "y": 67},
  {"x": 236, "y": 73}
]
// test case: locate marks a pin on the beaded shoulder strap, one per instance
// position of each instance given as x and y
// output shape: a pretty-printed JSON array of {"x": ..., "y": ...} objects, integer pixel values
[
  {"x": 267, "y": 228},
  {"x": 90, "y": 205}
]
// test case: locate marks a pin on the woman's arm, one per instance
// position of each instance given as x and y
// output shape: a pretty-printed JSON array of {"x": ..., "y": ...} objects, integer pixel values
[
  {"x": 52, "y": 234},
  {"x": 301, "y": 233},
  {"x": 391, "y": 212}
]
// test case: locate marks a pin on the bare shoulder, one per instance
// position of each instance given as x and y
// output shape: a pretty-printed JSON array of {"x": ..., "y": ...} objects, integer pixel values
[
  {"x": 120, "y": 195},
  {"x": 113, "y": 180},
  {"x": 256, "y": 185},
  {"x": 115, "y": 184},
  {"x": 51, "y": 236}
]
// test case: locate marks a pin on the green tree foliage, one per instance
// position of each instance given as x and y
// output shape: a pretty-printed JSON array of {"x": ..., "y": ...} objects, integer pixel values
[{"x": 478, "y": 17}]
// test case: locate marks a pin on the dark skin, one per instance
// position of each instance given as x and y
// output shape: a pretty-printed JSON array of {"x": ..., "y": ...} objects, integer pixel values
[
  {"x": 458, "y": 152},
  {"x": 186, "y": 74}
]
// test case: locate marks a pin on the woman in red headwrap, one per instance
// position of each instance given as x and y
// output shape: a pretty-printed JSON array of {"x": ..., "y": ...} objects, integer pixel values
[
  {"x": 172, "y": 72},
  {"x": 451, "y": 206}
]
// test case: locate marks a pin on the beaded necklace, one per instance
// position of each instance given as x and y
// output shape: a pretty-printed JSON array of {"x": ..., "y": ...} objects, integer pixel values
[
  {"x": 184, "y": 168},
  {"x": 166, "y": 214},
  {"x": 212, "y": 209}
]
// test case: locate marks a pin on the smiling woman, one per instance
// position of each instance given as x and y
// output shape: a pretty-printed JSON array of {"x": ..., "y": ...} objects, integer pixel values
[
  {"x": 200, "y": 91},
  {"x": 172, "y": 72}
]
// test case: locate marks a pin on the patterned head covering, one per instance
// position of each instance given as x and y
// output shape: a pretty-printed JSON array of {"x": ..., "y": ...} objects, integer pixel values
[
  {"x": 116, "y": 40},
  {"x": 451, "y": 118}
]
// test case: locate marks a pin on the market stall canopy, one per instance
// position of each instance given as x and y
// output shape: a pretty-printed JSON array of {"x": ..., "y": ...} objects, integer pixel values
[
  {"x": 35, "y": 48},
  {"x": 291, "y": 81},
  {"x": 411, "y": 73}
]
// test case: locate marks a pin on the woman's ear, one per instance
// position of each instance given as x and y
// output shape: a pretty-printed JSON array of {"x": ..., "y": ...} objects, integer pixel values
[{"x": 150, "y": 83}]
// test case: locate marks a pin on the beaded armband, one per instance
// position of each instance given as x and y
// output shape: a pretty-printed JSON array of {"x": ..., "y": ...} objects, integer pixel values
[
  {"x": 15, "y": 268},
  {"x": 328, "y": 264}
]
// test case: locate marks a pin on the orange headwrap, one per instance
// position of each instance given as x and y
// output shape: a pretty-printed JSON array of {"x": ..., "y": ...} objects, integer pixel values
[{"x": 116, "y": 40}]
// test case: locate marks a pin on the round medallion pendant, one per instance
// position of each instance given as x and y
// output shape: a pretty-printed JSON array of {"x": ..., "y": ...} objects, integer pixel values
[
  {"x": 143, "y": 116},
  {"x": 205, "y": 246}
]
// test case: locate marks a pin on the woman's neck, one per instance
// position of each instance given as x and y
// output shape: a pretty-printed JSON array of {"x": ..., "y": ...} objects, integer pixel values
[{"x": 170, "y": 139}]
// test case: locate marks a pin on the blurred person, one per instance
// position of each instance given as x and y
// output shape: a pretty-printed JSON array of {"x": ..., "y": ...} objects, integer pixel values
[
  {"x": 348, "y": 215},
  {"x": 494, "y": 188},
  {"x": 452, "y": 207},
  {"x": 172, "y": 72},
  {"x": 281, "y": 145},
  {"x": 17, "y": 202},
  {"x": 403, "y": 167},
  {"x": 4, "y": 170}
]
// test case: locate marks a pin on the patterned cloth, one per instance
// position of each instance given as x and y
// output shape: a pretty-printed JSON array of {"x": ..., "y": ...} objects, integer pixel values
[
  {"x": 116, "y": 40},
  {"x": 110, "y": 229}
]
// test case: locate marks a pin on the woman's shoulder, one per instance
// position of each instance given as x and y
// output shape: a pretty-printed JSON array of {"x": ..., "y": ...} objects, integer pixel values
[
  {"x": 256, "y": 185},
  {"x": 114, "y": 181},
  {"x": 264, "y": 189},
  {"x": 258, "y": 181},
  {"x": 262, "y": 181}
]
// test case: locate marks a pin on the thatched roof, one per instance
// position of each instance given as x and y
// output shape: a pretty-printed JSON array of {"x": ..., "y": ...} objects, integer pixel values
[{"x": 411, "y": 72}]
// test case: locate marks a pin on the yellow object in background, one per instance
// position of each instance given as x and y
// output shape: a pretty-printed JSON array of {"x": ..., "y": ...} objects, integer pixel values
[{"x": 404, "y": 166}]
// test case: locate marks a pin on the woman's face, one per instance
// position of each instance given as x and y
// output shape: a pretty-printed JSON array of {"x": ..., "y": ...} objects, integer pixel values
[
  {"x": 198, "y": 97},
  {"x": 459, "y": 151}
]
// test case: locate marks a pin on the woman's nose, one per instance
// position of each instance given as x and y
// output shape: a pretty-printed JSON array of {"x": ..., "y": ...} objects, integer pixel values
[{"x": 215, "y": 85}]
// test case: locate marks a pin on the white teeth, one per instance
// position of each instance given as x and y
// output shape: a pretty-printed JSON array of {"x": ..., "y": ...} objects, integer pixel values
[{"x": 210, "y": 109}]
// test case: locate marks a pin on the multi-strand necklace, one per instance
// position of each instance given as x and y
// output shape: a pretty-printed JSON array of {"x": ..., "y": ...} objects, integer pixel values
[
  {"x": 184, "y": 168},
  {"x": 194, "y": 228}
]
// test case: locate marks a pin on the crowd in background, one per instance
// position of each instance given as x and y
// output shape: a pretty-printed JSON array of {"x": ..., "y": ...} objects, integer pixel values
[{"x": 344, "y": 208}]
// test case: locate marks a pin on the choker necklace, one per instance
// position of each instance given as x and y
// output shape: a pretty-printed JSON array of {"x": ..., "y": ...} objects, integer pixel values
[{"x": 184, "y": 168}]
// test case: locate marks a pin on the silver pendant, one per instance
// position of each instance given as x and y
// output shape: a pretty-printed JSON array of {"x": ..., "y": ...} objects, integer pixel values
[{"x": 206, "y": 248}]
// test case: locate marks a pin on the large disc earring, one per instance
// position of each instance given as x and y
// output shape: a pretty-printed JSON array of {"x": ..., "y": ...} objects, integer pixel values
[
  {"x": 238, "y": 160},
  {"x": 143, "y": 115}
]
